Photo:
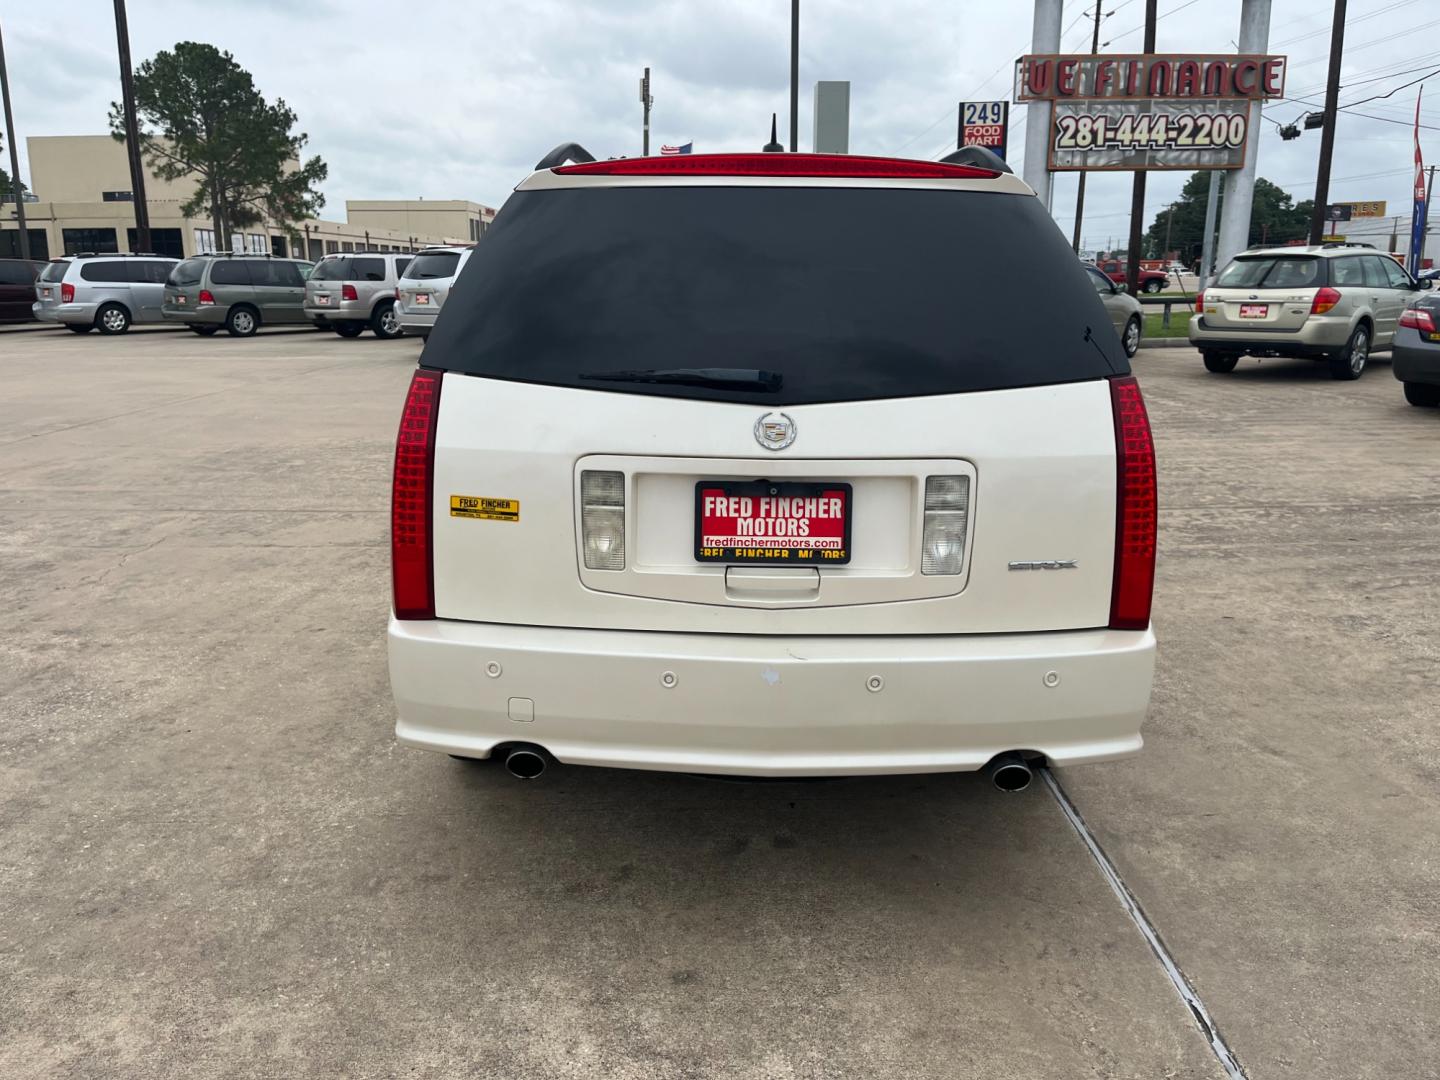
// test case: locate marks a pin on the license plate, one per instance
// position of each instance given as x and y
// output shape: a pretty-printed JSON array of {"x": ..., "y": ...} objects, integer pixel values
[
  {"x": 1433, "y": 337},
  {"x": 180, "y": 300},
  {"x": 45, "y": 293},
  {"x": 422, "y": 298},
  {"x": 756, "y": 521},
  {"x": 1254, "y": 311},
  {"x": 322, "y": 299}
]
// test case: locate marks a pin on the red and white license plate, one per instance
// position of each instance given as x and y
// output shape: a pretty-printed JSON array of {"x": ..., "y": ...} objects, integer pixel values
[
  {"x": 422, "y": 298},
  {"x": 758, "y": 521},
  {"x": 321, "y": 299},
  {"x": 45, "y": 293},
  {"x": 1254, "y": 311}
]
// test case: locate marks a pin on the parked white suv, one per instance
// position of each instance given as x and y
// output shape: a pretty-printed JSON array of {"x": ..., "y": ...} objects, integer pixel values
[
  {"x": 424, "y": 287},
  {"x": 714, "y": 465}
]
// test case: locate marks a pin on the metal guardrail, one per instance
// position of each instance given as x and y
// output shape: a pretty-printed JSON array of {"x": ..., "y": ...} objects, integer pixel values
[{"x": 1167, "y": 302}]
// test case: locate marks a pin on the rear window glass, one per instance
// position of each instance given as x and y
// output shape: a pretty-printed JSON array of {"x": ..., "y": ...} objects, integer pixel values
[
  {"x": 819, "y": 294},
  {"x": 188, "y": 272},
  {"x": 435, "y": 265},
  {"x": 1273, "y": 272},
  {"x": 107, "y": 270},
  {"x": 332, "y": 270},
  {"x": 54, "y": 271},
  {"x": 230, "y": 272}
]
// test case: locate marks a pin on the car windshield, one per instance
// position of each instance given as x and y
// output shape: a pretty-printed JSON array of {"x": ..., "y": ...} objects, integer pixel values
[
  {"x": 332, "y": 270},
  {"x": 54, "y": 271},
  {"x": 1272, "y": 272},
  {"x": 434, "y": 264},
  {"x": 777, "y": 295}
]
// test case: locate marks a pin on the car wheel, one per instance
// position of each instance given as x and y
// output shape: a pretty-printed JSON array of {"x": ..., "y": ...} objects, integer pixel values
[
  {"x": 349, "y": 329},
  {"x": 1152, "y": 286},
  {"x": 203, "y": 331},
  {"x": 1425, "y": 395},
  {"x": 242, "y": 322},
  {"x": 74, "y": 329},
  {"x": 384, "y": 322},
  {"x": 112, "y": 319},
  {"x": 1220, "y": 362},
  {"x": 1131, "y": 338},
  {"x": 1349, "y": 363}
]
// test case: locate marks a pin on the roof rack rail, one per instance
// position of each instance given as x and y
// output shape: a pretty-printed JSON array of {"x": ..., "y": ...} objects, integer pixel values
[
  {"x": 565, "y": 152},
  {"x": 1346, "y": 243},
  {"x": 977, "y": 156}
]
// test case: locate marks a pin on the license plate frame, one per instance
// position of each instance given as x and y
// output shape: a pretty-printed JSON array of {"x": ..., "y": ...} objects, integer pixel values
[
  {"x": 1254, "y": 311},
  {"x": 772, "y": 550},
  {"x": 322, "y": 299},
  {"x": 422, "y": 298}
]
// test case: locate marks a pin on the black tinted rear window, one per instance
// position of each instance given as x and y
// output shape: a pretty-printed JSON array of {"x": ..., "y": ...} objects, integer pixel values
[
  {"x": 188, "y": 272},
  {"x": 438, "y": 264},
  {"x": 844, "y": 294},
  {"x": 55, "y": 271},
  {"x": 1273, "y": 272},
  {"x": 332, "y": 270}
]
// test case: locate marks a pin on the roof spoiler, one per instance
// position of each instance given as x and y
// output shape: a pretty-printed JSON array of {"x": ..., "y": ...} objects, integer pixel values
[
  {"x": 565, "y": 152},
  {"x": 979, "y": 157}
]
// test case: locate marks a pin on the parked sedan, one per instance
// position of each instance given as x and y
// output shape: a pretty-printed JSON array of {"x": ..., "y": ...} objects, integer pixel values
[
  {"x": 1417, "y": 351},
  {"x": 17, "y": 289},
  {"x": 1127, "y": 313}
]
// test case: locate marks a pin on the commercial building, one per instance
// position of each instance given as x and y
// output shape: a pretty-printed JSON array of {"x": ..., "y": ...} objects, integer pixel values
[{"x": 82, "y": 184}]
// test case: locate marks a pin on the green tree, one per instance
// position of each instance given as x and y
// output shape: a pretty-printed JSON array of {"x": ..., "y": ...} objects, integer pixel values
[
  {"x": 200, "y": 116},
  {"x": 7, "y": 187},
  {"x": 1275, "y": 218}
]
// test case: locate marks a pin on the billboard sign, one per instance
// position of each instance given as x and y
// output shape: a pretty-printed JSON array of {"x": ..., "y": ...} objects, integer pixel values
[
  {"x": 1351, "y": 211},
  {"x": 1162, "y": 111},
  {"x": 985, "y": 123}
]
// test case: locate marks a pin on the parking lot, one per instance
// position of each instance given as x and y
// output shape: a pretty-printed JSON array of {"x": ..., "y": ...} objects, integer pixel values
[{"x": 215, "y": 861}]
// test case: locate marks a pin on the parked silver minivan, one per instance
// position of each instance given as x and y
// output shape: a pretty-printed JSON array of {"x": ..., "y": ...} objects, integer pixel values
[
  {"x": 425, "y": 285},
  {"x": 102, "y": 292},
  {"x": 349, "y": 292}
]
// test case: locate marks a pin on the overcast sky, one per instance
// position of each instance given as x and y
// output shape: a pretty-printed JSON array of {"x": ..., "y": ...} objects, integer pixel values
[{"x": 460, "y": 99}]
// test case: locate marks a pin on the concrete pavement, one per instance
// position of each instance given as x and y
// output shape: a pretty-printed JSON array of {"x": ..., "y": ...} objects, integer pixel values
[{"x": 214, "y": 861}]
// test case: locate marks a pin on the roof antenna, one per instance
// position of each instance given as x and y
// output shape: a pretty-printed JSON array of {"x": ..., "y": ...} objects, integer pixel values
[{"x": 773, "y": 146}]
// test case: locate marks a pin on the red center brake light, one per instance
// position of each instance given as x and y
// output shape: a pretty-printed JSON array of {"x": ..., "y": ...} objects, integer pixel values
[
  {"x": 67, "y": 293},
  {"x": 856, "y": 165},
  {"x": 347, "y": 292},
  {"x": 1325, "y": 299},
  {"x": 1418, "y": 319},
  {"x": 1136, "y": 508},
  {"x": 411, "y": 495}
]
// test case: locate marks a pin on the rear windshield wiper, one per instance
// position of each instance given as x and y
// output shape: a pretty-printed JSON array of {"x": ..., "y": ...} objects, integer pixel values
[{"x": 714, "y": 378}]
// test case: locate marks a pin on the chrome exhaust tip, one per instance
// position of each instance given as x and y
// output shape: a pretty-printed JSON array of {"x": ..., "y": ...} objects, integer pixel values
[
  {"x": 526, "y": 763},
  {"x": 1009, "y": 772}
]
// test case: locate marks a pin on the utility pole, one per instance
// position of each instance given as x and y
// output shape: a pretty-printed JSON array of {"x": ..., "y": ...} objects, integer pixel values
[
  {"x": 132, "y": 132},
  {"x": 794, "y": 73},
  {"x": 1207, "y": 245},
  {"x": 14, "y": 156},
  {"x": 1425, "y": 220},
  {"x": 1327, "y": 136},
  {"x": 1137, "y": 193},
  {"x": 646, "y": 100},
  {"x": 1080, "y": 187}
]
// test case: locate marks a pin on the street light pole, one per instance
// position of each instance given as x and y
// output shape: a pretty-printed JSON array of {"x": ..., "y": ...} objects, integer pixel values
[
  {"x": 14, "y": 156},
  {"x": 1327, "y": 136},
  {"x": 646, "y": 100},
  {"x": 132, "y": 132},
  {"x": 794, "y": 72}
]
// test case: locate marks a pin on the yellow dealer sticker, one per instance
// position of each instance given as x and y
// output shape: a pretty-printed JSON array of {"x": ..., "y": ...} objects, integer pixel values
[{"x": 482, "y": 509}]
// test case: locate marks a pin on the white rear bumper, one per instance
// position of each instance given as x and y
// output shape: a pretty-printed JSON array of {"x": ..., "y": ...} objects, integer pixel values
[{"x": 770, "y": 706}]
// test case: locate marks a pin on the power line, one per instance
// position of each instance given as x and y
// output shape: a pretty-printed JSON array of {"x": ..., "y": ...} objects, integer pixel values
[
  {"x": 1162, "y": 15},
  {"x": 1352, "y": 49},
  {"x": 1348, "y": 23}
]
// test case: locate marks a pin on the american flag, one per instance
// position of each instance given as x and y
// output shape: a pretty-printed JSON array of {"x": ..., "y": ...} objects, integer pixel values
[{"x": 667, "y": 150}]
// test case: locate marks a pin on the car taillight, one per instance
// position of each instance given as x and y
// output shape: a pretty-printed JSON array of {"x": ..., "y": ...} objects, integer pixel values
[
  {"x": 1136, "y": 508},
  {"x": 411, "y": 495},
  {"x": 67, "y": 293},
  {"x": 206, "y": 296},
  {"x": 602, "y": 519},
  {"x": 397, "y": 292},
  {"x": 1418, "y": 319},
  {"x": 1199, "y": 302},
  {"x": 947, "y": 505},
  {"x": 1324, "y": 300},
  {"x": 347, "y": 292},
  {"x": 779, "y": 165}
]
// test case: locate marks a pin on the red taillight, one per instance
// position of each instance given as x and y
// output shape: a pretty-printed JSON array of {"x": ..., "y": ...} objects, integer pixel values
[
  {"x": 1418, "y": 319},
  {"x": 397, "y": 292},
  {"x": 1136, "y": 508},
  {"x": 411, "y": 494},
  {"x": 778, "y": 165},
  {"x": 347, "y": 292},
  {"x": 1324, "y": 300},
  {"x": 67, "y": 293},
  {"x": 1199, "y": 302},
  {"x": 206, "y": 296}
]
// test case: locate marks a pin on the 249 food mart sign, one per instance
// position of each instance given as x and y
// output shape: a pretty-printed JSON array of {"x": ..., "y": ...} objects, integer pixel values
[{"x": 1156, "y": 111}]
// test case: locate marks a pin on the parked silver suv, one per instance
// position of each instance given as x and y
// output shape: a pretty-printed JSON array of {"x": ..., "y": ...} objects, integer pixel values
[
  {"x": 1333, "y": 302},
  {"x": 349, "y": 292},
  {"x": 102, "y": 292},
  {"x": 425, "y": 285}
]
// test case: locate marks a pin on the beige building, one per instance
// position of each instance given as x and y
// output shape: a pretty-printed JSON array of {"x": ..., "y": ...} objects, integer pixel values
[{"x": 82, "y": 183}]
